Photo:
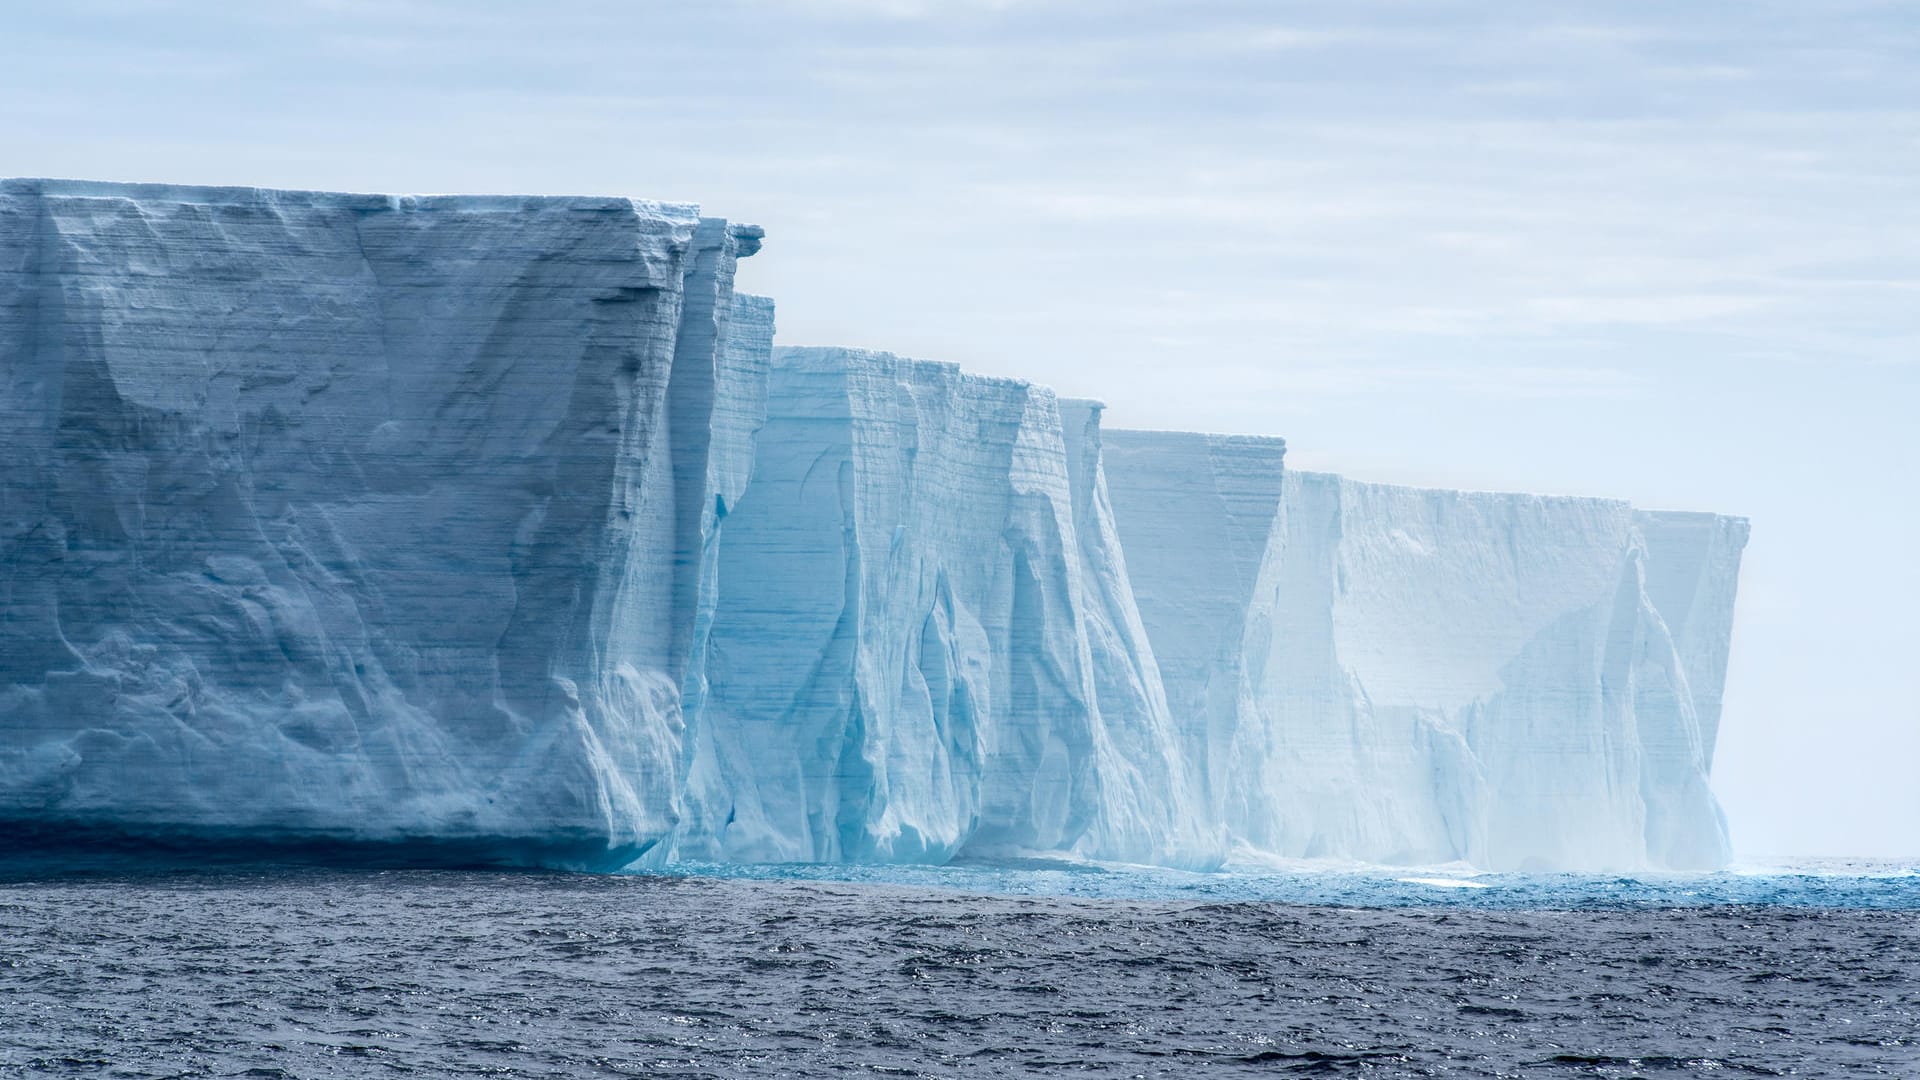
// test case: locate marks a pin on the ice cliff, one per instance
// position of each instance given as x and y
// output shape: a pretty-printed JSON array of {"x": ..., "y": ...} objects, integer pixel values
[
  {"x": 1414, "y": 676},
  {"x": 924, "y": 644},
  {"x": 495, "y": 529},
  {"x": 358, "y": 518}
]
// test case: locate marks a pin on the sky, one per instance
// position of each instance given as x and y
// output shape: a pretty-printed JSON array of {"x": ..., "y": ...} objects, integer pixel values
[{"x": 1665, "y": 252}]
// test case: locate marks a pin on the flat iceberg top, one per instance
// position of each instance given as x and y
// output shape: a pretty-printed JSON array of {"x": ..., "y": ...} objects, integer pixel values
[
  {"x": 1696, "y": 522},
  {"x": 1673, "y": 519},
  {"x": 680, "y": 215},
  {"x": 1191, "y": 440},
  {"x": 1464, "y": 494},
  {"x": 853, "y": 362},
  {"x": 237, "y": 196}
]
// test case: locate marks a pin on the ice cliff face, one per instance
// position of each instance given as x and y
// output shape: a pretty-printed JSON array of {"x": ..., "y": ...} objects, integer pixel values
[
  {"x": 912, "y": 655},
  {"x": 1197, "y": 514},
  {"x": 1689, "y": 570},
  {"x": 354, "y": 517},
  {"x": 1424, "y": 676},
  {"x": 495, "y": 530}
]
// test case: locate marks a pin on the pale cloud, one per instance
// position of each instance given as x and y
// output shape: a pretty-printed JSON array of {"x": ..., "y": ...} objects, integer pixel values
[
  {"x": 1640, "y": 309},
  {"x": 1505, "y": 382},
  {"x": 897, "y": 9}
]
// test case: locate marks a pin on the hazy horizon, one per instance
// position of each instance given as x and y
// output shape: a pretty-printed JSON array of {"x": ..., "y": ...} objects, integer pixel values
[{"x": 1609, "y": 249}]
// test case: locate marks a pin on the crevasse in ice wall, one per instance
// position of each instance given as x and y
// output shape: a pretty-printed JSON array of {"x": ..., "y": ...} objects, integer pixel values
[
  {"x": 351, "y": 517},
  {"x": 716, "y": 403}
]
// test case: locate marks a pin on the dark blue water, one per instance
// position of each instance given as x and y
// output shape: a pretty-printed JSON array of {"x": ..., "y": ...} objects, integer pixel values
[{"x": 969, "y": 971}]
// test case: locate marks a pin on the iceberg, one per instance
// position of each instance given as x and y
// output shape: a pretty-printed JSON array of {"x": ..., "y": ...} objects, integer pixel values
[
  {"x": 497, "y": 530},
  {"x": 355, "y": 518},
  {"x": 1421, "y": 677},
  {"x": 917, "y": 654},
  {"x": 1197, "y": 514}
]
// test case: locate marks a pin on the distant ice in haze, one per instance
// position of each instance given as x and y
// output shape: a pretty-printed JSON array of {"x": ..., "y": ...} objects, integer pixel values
[{"x": 1413, "y": 676}]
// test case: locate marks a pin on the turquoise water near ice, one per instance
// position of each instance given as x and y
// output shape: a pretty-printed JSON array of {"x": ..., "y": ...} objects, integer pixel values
[{"x": 1873, "y": 884}]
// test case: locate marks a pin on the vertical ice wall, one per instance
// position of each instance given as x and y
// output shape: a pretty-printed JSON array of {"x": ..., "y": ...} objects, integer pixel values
[
  {"x": 1693, "y": 569},
  {"x": 1168, "y": 818},
  {"x": 1197, "y": 515},
  {"x": 1425, "y": 676},
  {"x": 900, "y": 662},
  {"x": 343, "y": 517},
  {"x": 1690, "y": 572},
  {"x": 1446, "y": 678},
  {"x": 716, "y": 402}
]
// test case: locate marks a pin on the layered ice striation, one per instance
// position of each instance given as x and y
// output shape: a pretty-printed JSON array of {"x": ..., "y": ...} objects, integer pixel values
[
  {"x": 1197, "y": 514},
  {"x": 359, "y": 518},
  {"x": 924, "y": 644},
  {"x": 1413, "y": 676},
  {"x": 495, "y": 529}
]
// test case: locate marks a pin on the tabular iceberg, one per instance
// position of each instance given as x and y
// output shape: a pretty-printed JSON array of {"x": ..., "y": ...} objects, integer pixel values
[
  {"x": 913, "y": 654},
  {"x": 1412, "y": 676},
  {"x": 336, "y": 517},
  {"x": 495, "y": 529}
]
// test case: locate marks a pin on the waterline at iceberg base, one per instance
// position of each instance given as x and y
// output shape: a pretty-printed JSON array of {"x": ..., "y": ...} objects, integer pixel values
[{"x": 496, "y": 530}]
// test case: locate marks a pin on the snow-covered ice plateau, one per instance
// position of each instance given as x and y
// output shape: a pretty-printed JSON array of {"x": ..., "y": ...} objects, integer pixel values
[{"x": 496, "y": 530}]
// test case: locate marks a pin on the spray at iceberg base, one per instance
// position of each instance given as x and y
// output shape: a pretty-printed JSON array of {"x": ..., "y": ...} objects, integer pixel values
[{"x": 496, "y": 530}]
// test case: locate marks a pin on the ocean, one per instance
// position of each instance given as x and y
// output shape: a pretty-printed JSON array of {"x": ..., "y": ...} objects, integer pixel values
[{"x": 984, "y": 969}]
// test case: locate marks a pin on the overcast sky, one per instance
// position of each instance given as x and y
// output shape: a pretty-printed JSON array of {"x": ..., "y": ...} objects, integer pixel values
[{"x": 1663, "y": 251}]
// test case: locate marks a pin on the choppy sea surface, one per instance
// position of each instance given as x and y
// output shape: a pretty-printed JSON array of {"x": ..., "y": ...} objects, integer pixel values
[{"x": 1003, "y": 969}]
